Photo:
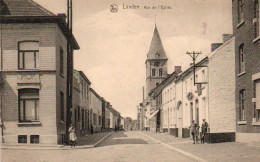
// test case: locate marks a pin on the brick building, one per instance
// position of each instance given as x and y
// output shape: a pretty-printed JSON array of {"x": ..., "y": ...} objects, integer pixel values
[
  {"x": 34, "y": 70},
  {"x": 247, "y": 48}
]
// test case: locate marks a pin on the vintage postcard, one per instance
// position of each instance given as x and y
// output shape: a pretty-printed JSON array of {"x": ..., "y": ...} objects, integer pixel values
[{"x": 129, "y": 80}]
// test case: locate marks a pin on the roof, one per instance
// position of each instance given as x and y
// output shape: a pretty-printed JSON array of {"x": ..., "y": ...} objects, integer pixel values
[
  {"x": 85, "y": 77},
  {"x": 95, "y": 93},
  {"x": 28, "y": 11},
  {"x": 156, "y": 50},
  {"x": 23, "y": 8},
  {"x": 157, "y": 90},
  {"x": 189, "y": 70}
]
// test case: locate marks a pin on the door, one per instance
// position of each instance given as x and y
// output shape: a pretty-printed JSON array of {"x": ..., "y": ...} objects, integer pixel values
[
  {"x": 179, "y": 118},
  {"x": 197, "y": 112},
  {"x": 191, "y": 112}
]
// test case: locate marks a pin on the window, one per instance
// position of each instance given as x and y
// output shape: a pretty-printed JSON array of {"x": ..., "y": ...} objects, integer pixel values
[
  {"x": 22, "y": 138},
  {"x": 203, "y": 76},
  {"x": 242, "y": 105},
  {"x": 28, "y": 54},
  {"x": 257, "y": 97},
  {"x": 153, "y": 72},
  {"x": 78, "y": 114},
  {"x": 34, "y": 139},
  {"x": 82, "y": 119},
  {"x": 61, "y": 61},
  {"x": 99, "y": 119},
  {"x": 240, "y": 11},
  {"x": 160, "y": 72},
  {"x": 256, "y": 18},
  {"x": 241, "y": 59},
  {"x": 28, "y": 105},
  {"x": 61, "y": 106},
  {"x": 95, "y": 119}
]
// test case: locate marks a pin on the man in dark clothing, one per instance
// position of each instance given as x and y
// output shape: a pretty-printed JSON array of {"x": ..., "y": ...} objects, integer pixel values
[{"x": 204, "y": 128}]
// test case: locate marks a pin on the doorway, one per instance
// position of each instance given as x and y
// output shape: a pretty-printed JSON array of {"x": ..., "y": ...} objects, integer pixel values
[{"x": 197, "y": 112}]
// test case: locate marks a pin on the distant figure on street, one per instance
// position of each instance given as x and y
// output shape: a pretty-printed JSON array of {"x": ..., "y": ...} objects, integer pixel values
[
  {"x": 204, "y": 128},
  {"x": 194, "y": 128},
  {"x": 73, "y": 137}
]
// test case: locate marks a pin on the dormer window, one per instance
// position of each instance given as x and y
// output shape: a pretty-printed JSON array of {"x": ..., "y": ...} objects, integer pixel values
[{"x": 157, "y": 55}]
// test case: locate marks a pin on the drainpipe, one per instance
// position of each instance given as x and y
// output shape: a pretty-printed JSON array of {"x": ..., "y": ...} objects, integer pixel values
[{"x": 1, "y": 79}]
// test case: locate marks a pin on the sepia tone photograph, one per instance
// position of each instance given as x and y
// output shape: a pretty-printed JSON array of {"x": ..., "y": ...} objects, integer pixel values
[{"x": 129, "y": 80}]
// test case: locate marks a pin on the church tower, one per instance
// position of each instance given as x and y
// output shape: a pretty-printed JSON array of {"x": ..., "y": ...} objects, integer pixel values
[{"x": 156, "y": 63}]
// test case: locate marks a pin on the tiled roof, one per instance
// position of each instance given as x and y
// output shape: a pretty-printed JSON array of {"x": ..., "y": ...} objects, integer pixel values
[{"x": 23, "y": 8}]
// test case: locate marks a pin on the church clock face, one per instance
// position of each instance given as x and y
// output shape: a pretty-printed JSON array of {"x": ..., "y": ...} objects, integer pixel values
[{"x": 157, "y": 63}]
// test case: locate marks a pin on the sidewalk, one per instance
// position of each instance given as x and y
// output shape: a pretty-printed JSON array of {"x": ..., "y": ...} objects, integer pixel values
[
  {"x": 88, "y": 141},
  {"x": 230, "y": 151}
]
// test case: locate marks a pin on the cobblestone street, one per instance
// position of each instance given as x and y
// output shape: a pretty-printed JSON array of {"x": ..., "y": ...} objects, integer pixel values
[{"x": 140, "y": 146}]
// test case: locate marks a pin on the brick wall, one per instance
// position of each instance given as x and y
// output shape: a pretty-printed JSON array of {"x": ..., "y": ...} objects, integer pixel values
[
  {"x": 51, "y": 83},
  {"x": 244, "y": 34}
]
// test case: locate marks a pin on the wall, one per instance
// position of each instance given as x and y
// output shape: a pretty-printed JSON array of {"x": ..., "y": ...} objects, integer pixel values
[
  {"x": 244, "y": 34},
  {"x": 222, "y": 88},
  {"x": 46, "y": 79}
]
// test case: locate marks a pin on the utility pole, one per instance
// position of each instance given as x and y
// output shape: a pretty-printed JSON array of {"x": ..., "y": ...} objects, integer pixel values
[
  {"x": 69, "y": 68},
  {"x": 194, "y": 55}
]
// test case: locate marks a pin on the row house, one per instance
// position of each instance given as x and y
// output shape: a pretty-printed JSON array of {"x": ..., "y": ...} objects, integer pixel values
[
  {"x": 107, "y": 116},
  {"x": 80, "y": 112},
  {"x": 247, "y": 69},
  {"x": 206, "y": 93},
  {"x": 35, "y": 71},
  {"x": 115, "y": 119},
  {"x": 95, "y": 111},
  {"x": 160, "y": 106}
]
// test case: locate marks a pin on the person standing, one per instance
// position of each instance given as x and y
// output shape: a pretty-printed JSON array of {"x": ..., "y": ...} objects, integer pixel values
[
  {"x": 193, "y": 130},
  {"x": 204, "y": 128},
  {"x": 197, "y": 128},
  {"x": 73, "y": 136}
]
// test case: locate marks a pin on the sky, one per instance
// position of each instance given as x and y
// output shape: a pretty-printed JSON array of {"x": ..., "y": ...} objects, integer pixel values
[{"x": 114, "y": 45}]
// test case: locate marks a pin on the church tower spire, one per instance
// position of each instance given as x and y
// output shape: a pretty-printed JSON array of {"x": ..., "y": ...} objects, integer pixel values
[{"x": 156, "y": 62}]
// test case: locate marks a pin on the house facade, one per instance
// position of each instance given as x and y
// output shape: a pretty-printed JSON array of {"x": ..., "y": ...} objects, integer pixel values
[
  {"x": 34, "y": 72},
  {"x": 83, "y": 101},
  {"x": 247, "y": 71},
  {"x": 95, "y": 110},
  {"x": 212, "y": 97}
]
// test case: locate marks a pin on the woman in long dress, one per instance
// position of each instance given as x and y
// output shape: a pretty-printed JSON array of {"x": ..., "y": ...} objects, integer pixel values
[{"x": 73, "y": 136}]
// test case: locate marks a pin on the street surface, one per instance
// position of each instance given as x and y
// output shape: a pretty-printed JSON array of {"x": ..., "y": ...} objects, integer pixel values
[
  {"x": 140, "y": 146},
  {"x": 120, "y": 146}
]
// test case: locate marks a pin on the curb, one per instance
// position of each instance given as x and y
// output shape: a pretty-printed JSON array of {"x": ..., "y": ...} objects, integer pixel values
[
  {"x": 176, "y": 149},
  {"x": 55, "y": 148}
]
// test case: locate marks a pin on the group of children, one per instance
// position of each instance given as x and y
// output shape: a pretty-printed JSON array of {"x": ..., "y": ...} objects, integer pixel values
[{"x": 194, "y": 128}]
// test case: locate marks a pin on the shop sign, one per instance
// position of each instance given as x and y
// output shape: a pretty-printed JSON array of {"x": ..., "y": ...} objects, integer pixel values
[{"x": 190, "y": 96}]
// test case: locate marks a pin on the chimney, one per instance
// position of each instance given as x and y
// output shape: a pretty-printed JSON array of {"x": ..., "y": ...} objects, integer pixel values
[
  {"x": 63, "y": 16},
  {"x": 214, "y": 46},
  {"x": 226, "y": 37},
  {"x": 177, "y": 69}
]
